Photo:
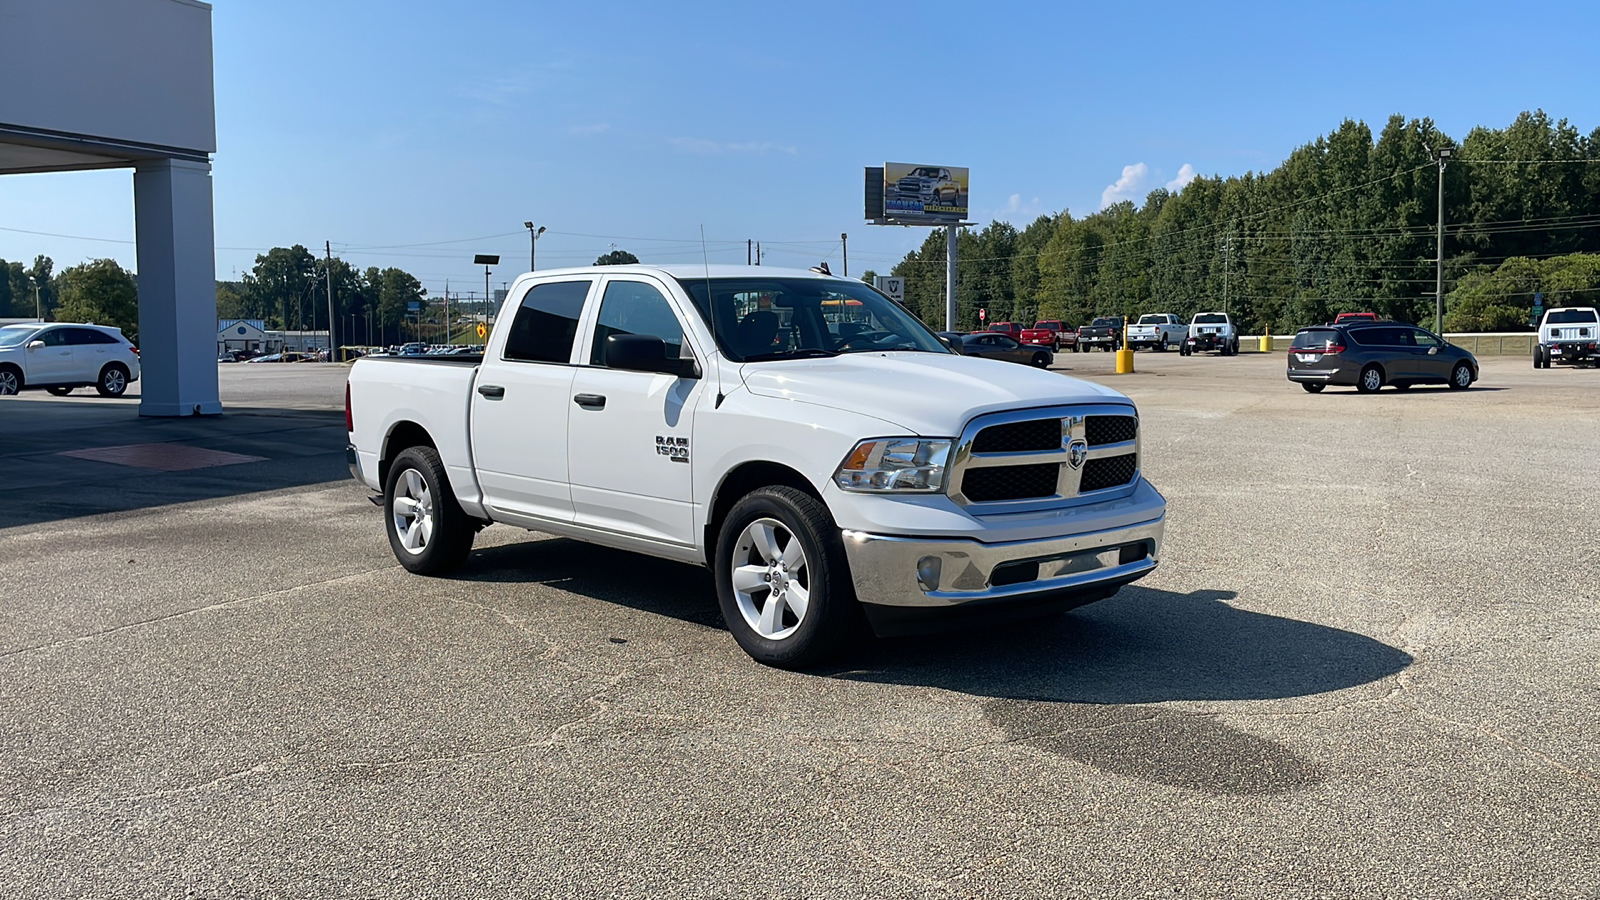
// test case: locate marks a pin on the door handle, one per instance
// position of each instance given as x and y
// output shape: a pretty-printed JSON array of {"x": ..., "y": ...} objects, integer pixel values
[
  {"x": 492, "y": 391},
  {"x": 590, "y": 401}
]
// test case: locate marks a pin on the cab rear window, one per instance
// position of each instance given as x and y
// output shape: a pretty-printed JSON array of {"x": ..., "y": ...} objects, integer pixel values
[
  {"x": 1571, "y": 317},
  {"x": 1210, "y": 319}
]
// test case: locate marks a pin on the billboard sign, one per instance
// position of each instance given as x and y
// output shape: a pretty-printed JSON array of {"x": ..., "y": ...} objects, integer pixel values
[{"x": 920, "y": 194}]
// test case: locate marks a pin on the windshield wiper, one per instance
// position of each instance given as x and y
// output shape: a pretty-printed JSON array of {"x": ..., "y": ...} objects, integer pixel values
[{"x": 802, "y": 353}]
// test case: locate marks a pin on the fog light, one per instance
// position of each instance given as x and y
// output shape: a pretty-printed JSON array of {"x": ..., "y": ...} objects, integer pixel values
[{"x": 928, "y": 573}]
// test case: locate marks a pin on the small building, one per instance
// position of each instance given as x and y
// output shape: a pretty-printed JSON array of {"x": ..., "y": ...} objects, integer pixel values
[
  {"x": 244, "y": 334},
  {"x": 299, "y": 341}
]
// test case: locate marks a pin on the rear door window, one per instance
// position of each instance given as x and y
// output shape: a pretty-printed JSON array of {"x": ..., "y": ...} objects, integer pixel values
[{"x": 546, "y": 325}]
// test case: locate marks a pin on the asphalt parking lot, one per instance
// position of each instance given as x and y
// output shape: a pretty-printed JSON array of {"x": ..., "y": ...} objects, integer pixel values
[{"x": 1366, "y": 667}]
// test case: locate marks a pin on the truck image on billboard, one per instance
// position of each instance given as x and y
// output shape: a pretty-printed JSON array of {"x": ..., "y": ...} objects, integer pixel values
[{"x": 918, "y": 193}]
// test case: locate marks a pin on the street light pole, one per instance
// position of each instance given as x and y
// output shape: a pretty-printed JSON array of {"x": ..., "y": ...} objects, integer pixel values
[
  {"x": 533, "y": 241},
  {"x": 1442, "y": 155},
  {"x": 844, "y": 246},
  {"x": 486, "y": 260}
]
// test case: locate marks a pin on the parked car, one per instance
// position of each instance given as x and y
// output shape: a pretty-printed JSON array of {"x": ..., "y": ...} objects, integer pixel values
[
  {"x": 1351, "y": 318},
  {"x": 1570, "y": 334},
  {"x": 1158, "y": 331},
  {"x": 60, "y": 357},
  {"x": 711, "y": 416},
  {"x": 1104, "y": 332},
  {"x": 1211, "y": 331},
  {"x": 1369, "y": 355},
  {"x": 1013, "y": 329},
  {"x": 1049, "y": 333},
  {"x": 991, "y": 345}
]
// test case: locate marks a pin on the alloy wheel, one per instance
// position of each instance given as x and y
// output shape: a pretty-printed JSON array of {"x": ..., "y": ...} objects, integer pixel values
[
  {"x": 413, "y": 512},
  {"x": 771, "y": 583}
]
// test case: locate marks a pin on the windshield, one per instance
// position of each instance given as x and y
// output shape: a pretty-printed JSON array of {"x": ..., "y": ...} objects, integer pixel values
[
  {"x": 16, "y": 335},
  {"x": 1210, "y": 319},
  {"x": 761, "y": 319},
  {"x": 1560, "y": 317}
]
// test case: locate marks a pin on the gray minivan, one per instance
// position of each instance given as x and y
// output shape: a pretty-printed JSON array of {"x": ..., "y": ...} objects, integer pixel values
[{"x": 1369, "y": 355}]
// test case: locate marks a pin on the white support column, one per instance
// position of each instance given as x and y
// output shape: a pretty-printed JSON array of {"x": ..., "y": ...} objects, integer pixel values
[{"x": 177, "y": 289}]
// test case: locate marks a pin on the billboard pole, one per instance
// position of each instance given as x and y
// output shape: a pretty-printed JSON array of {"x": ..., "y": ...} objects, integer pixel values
[{"x": 950, "y": 278}]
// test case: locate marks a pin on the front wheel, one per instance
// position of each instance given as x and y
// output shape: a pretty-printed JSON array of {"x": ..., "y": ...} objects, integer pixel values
[
  {"x": 428, "y": 531},
  {"x": 782, "y": 579},
  {"x": 1461, "y": 377},
  {"x": 113, "y": 380}
]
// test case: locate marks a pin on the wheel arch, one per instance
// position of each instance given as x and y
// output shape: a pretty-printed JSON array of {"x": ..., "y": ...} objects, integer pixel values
[
  {"x": 741, "y": 480},
  {"x": 402, "y": 435}
]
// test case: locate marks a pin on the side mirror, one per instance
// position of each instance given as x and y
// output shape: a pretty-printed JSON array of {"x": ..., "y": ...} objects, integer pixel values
[
  {"x": 646, "y": 353},
  {"x": 1433, "y": 351},
  {"x": 34, "y": 345},
  {"x": 950, "y": 342}
]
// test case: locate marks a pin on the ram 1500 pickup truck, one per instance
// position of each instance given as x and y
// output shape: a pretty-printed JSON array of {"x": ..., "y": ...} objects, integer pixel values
[
  {"x": 1210, "y": 331},
  {"x": 804, "y": 437},
  {"x": 1568, "y": 335},
  {"x": 1050, "y": 333},
  {"x": 1104, "y": 332},
  {"x": 1158, "y": 331}
]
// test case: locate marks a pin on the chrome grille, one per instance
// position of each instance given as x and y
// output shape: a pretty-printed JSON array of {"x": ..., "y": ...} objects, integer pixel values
[{"x": 1021, "y": 460}]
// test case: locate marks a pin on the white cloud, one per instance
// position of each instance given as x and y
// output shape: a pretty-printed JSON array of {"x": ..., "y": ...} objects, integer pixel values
[
  {"x": 1129, "y": 187},
  {"x": 1016, "y": 210},
  {"x": 585, "y": 130},
  {"x": 705, "y": 147},
  {"x": 1185, "y": 175}
]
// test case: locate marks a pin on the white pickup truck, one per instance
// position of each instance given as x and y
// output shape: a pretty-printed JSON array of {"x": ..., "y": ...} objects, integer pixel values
[
  {"x": 1568, "y": 335},
  {"x": 1158, "y": 331},
  {"x": 802, "y": 435}
]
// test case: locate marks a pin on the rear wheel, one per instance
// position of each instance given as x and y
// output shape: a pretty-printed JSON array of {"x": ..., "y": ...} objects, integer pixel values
[
  {"x": 1042, "y": 360},
  {"x": 428, "y": 531},
  {"x": 1461, "y": 377},
  {"x": 1312, "y": 387},
  {"x": 1538, "y": 357},
  {"x": 1370, "y": 381},
  {"x": 782, "y": 579},
  {"x": 113, "y": 380}
]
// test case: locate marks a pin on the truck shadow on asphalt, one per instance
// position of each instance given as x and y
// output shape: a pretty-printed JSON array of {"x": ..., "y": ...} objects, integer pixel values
[{"x": 1091, "y": 685}]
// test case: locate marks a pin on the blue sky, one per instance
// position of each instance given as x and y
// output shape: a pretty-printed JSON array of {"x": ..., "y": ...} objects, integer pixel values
[{"x": 392, "y": 128}]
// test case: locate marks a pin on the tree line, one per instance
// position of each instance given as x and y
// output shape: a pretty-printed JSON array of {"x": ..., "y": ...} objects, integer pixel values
[{"x": 1347, "y": 222}]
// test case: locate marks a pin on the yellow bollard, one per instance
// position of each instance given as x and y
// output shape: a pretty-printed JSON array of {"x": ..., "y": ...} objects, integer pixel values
[
  {"x": 1124, "y": 361},
  {"x": 1266, "y": 343}
]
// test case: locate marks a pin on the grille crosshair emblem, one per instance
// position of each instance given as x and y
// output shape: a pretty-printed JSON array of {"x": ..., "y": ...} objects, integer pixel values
[{"x": 1077, "y": 453}]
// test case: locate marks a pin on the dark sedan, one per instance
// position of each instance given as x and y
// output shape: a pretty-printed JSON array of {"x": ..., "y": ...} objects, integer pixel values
[
  {"x": 1369, "y": 355},
  {"x": 992, "y": 345}
]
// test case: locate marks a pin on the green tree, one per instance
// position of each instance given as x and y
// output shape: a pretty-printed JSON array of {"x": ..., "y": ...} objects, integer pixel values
[
  {"x": 617, "y": 258},
  {"x": 100, "y": 292}
]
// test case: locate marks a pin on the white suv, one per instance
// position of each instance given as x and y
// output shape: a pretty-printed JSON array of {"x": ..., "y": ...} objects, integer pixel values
[{"x": 59, "y": 357}]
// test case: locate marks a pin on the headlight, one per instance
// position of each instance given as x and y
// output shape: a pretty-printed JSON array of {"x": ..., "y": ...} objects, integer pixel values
[{"x": 895, "y": 464}]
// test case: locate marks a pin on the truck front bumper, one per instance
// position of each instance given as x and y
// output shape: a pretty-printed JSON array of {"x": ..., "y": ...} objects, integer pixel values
[{"x": 899, "y": 577}]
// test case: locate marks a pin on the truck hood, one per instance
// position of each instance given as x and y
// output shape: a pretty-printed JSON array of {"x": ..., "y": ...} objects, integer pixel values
[{"x": 927, "y": 394}]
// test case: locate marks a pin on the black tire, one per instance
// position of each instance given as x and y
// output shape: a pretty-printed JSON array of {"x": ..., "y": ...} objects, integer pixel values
[
  {"x": 1041, "y": 360},
  {"x": 1460, "y": 377},
  {"x": 447, "y": 539},
  {"x": 1076, "y": 348},
  {"x": 113, "y": 381},
  {"x": 11, "y": 380},
  {"x": 832, "y": 617},
  {"x": 1538, "y": 357},
  {"x": 60, "y": 390},
  {"x": 1370, "y": 381},
  {"x": 1312, "y": 387}
]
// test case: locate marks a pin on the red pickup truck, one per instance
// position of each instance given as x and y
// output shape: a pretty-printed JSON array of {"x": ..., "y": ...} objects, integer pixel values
[
  {"x": 1013, "y": 329},
  {"x": 1050, "y": 333}
]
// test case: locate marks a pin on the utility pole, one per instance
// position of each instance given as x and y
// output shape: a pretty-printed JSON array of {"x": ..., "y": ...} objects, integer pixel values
[
  {"x": 844, "y": 244},
  {"x": 327, "y": 270},
  {"x": 1442, "y": 155},
  {"x": 447, "y": 310},
  {"x": 1227, "y": 259},
  {"x": 747, "y": 246},
  {"x": 38, "y": 311},
  {"x": 758, "y": 253},
  {"x": 950, "y": 278}
]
